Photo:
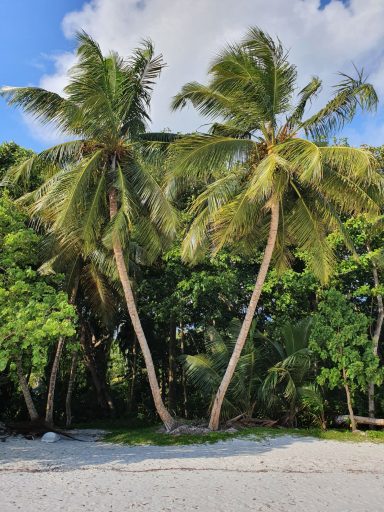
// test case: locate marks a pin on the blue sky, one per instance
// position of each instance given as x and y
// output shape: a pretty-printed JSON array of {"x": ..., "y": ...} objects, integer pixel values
[
  {"x": 34, "y": 39},
  {"x": 30, "y": 31}
]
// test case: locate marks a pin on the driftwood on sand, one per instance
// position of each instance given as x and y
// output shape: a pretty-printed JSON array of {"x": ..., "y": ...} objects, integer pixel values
[{"x": 33, "y": 429}]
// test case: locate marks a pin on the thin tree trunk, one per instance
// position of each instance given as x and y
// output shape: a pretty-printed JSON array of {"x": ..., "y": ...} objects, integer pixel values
[
  {"x": 216, "y": 409},
  {"x": 349, "y": 402},
  {"x": 25, "y": 390},
  {"x": 71, "y": 383},
  {"x": 375, "y": 339},
  {"x": 91, "y": 366},
  {"x": 171, "y": 364},
  {"x": 132, "y": 310},
  {"x": 163, "y": 378},
  {"x": 52, "y": 381},
  {"x": 55, "y": 366},
  {"x": 183, "y": 379},
  {"x": 133, "y": 375},
  {"x": 108, "y": 398}
]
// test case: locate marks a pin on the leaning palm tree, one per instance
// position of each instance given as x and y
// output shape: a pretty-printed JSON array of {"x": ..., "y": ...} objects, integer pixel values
[
  {"x": 261, "y": 179},
  {"x": 98, "y": 185}
]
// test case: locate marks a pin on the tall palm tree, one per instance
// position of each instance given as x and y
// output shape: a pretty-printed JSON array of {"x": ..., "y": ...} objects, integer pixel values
[
  {"x": 98, "y": 185},
  {"x": 263, "y": 180}
]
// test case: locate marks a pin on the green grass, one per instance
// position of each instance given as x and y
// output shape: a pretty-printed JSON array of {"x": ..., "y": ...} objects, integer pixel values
[
  {"x": 151, "y": 436},
  {"x": 371, "y": 436},
  {"x": 139, "y": 433}
]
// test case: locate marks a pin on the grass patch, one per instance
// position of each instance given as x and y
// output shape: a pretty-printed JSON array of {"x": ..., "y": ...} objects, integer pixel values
[
  {"x": 371, "y": 436},
  {"x": 133, "y": 431},
  {"x": 149, "y": 435}
]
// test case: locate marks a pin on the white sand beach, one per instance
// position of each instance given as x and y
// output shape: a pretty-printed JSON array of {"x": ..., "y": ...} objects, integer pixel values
[{"x": 282, "y": 474}]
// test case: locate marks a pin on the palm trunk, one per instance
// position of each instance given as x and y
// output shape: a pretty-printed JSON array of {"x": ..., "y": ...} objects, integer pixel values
[
  {"x": 375, "y": 339},
  {"x": 349, "y": 402},
  {"x": 216, "y": 409},
  {"x": 165, "y": 416},
  {"x": 71, "y": 384},
  {"x": 26, "y": 392}
]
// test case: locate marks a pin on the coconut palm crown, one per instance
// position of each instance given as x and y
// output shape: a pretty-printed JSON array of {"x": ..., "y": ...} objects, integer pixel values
[
  {"x": 256, "y": 155},
  {"x": 98, "y": 188},
  {"x": 264, "y": 181}
]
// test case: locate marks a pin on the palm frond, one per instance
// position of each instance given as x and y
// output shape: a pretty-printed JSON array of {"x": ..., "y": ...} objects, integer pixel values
[
  {"x": 196, "y": 156},
  {"x": 45, "y": 106},
  {"x": 309, "y": 92},
  {"x": 308, "y": 232},
  {"x": 350, "y": 94}
]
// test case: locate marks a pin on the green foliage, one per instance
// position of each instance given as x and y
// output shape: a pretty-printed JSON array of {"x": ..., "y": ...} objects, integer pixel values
[
  {"x": 106, "y": 110},
  {"x": 12, "y": 154},
  {"x": 287, "y": 378},
  {"x": 33, "y": 313},
  {"x": 254, "y": 158},
  {"x": 205, "y": 370},
  {"x": 224, "y": 181},
  {"x": 339, "y": 338}
]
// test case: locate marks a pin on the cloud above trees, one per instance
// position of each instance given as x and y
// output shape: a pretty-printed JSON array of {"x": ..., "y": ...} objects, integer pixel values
[{"x": 189, "y": 33}]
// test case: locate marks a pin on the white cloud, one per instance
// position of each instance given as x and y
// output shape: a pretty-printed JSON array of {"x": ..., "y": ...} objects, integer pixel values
[{"x": 189, "y": 32}]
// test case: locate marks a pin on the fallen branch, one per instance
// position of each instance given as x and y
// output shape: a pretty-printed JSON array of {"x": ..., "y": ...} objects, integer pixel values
[
  {"x": 237, "y": 418},
  {"x": 34, "y": 429},
  {"x": 362, "y": 420},
  {"x": 252, "y": 422}
]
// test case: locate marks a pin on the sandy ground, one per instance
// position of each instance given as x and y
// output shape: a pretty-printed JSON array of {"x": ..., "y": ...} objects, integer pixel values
[{"x": 283, "y": 474}]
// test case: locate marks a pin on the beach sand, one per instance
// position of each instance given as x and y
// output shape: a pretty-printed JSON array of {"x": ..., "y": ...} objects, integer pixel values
[{"x": 281, "y": 474}]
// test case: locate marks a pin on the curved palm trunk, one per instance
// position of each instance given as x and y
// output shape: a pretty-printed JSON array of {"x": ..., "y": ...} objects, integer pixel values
[
  {"x": 216, "y": 409},
  {"x": 25, "y": 390},
  {"x": 71, "y": 384},
  {"x": 375, "y": 339},
  {"x": 162, "y": 411}
]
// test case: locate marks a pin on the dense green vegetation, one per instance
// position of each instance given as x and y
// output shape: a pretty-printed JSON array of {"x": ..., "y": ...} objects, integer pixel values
[{"x": 233, "y": 273}]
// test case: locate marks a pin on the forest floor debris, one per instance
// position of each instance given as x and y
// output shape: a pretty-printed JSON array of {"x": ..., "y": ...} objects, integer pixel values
[{"x": 284, "y": 473}]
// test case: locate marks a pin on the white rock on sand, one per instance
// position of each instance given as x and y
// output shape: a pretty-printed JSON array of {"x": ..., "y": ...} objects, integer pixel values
[
  {"x": 283, "y": 474},
  {"x": 50, "y": 437}
]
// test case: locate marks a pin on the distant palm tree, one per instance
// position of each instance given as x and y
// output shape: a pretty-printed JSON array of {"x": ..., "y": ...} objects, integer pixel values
[
  {"x": 265, "y": 182},
  {"x": 98, "y": 186}
]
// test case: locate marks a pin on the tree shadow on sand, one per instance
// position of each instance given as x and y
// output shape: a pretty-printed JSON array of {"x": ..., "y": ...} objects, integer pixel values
[{"x": 67, "y": 455}]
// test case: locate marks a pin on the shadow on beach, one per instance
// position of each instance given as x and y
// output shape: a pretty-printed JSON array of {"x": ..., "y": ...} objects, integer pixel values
[{"x": 66, "y": 454}]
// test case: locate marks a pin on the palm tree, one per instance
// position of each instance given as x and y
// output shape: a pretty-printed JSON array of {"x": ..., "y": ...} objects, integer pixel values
[
  {"x": 98, "y": 185},
  {"x": 287, "y": 377},
  {"x": 262, "y": 180},
  {"x": 205, "y": 370}
]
